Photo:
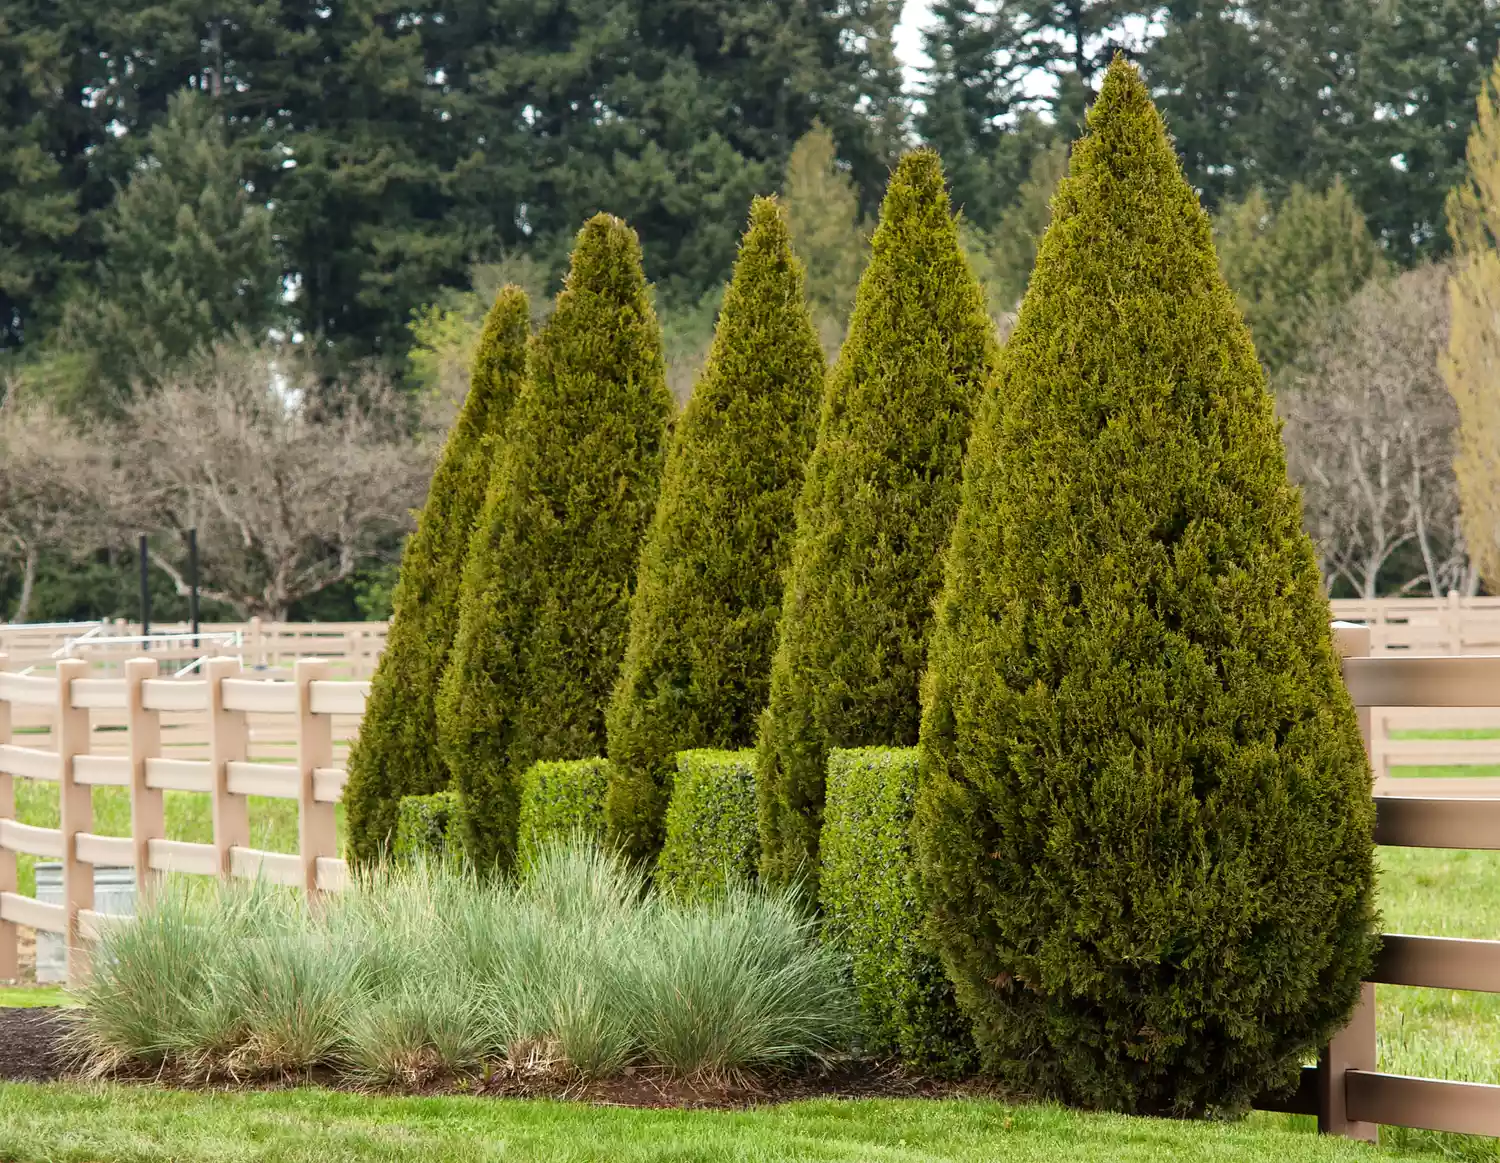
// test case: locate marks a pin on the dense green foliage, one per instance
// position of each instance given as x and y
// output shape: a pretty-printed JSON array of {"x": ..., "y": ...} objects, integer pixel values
[
  {"x": 874, "y": 913},
  {"x": 874, "y": 513},
  {"x": 544, "y": 598},
  {"x": 428, "y": 828},
  {"x": 396, "y": 753},
  {"x": 712, "y": 841},
  {"x": 1293, "y": 266},
  {"x": 392, "y": 146},
  {"x": 1144, "y": 821},
  {"x": 708, "y": 590},
  {"x": 560, "y": 799}
]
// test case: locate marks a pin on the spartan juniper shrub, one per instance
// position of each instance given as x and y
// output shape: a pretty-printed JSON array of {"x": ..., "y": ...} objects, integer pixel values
[
  {"x": 1144, "y": 821},
  {"x": 545, "y": 595},
  {"x": 874, "y": 513},
  {"x": 396, "y": 753},
  {"x": 708, "y": 594}
]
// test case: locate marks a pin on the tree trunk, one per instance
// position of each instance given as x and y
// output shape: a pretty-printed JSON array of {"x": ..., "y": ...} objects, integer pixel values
[{"x": 28, "y": 584}]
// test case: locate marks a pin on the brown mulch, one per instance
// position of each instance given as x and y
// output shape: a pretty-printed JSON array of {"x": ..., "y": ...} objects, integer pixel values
[
  {"x": 30, "y": 1051},
  {"x": 29, "y": 1044}
]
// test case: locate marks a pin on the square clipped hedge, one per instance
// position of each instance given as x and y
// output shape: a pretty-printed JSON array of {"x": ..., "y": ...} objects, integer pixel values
[
  {"x": 712, "y": 836},
  {"x": 428, "y": 827},
  {"x": 874, "y": 912},
  {"x": 561, "y": 799}
]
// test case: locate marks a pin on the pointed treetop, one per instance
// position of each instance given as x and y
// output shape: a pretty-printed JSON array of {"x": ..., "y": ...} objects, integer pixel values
[
  {"x": 606, "y": 261},
  {"x": 501, "y": 344}
]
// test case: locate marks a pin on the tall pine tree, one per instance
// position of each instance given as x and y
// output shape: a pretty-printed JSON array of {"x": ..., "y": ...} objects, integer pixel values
[
  {"x": 396, "y": 753},
  {"x": 874, "y": 513},
  {"x": 545, "y": 594},
  {"x": 708, "y": 592}
]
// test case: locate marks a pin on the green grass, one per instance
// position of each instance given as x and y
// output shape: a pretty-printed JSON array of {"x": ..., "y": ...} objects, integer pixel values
[
  {"x": 273, "y": 822},
  {"x": 69, "y": 1124},
  {"x": 31, "y": 996}
]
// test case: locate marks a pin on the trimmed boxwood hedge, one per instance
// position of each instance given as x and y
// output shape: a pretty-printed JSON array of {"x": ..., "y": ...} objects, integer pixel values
[
  {"x": 428, "y": 826},
  {"x": 711, "y": 829},
  {"x": 1144, "y": 824},
  {"x": 561, "y": 799},
  {"x": 873, "y": 912}
]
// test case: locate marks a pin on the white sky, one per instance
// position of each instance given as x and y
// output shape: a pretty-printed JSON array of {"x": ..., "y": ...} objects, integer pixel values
[{"x": 915, "y": 14}]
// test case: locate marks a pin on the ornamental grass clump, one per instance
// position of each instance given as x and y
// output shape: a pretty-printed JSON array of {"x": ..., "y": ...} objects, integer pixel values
[
  {"x": 545, "y": 596},
  {"x": 396, "y": 754},
  {"x": 874, "y": 514},
  {"x": 1144, "y": 819},
  {"x": 708, "y": 592},
  {"x": 422, "y": 971}
]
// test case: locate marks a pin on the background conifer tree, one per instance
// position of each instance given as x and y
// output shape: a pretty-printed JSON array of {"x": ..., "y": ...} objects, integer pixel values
[
  {"x": 1144, "y": 817},
  {"x": 874, "y": 513},
  {"x": 546, "y": 588},
  {"x": 708, "y": 594},
  {"x": 396, "y": 752}
]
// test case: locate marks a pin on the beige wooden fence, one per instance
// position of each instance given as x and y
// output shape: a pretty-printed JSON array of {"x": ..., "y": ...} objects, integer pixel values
[
  {"x": 350, "y": 648},
  {"x": 220, "y": 734},
  {"x": 1450, "y": 625},
  {"x": 1345, "y": 1091}
]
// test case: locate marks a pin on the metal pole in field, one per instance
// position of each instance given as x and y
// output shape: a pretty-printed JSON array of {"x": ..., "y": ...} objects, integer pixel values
[
  {"x": 193, "y": 582},
  {"x": 145, "y": 590}
]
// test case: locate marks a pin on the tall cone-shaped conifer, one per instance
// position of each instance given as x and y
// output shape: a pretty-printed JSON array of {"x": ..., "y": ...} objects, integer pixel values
[
  {"x": 1144, "y": 816},
  {"x": 396, "y": 752},
  {"x": 546, "y": 588},
  {"x": 708, "y": 593},
  {"x": 874, "y": 513}
]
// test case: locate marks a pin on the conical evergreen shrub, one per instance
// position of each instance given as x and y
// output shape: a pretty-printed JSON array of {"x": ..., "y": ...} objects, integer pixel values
[
  {"x": 396, "y": 754},
  {"x": 546, "y": 588},
  {"x": 1144, "y": 816},
  {"x": 874, "y": 514},
  {"x": 708, "y": 594}
]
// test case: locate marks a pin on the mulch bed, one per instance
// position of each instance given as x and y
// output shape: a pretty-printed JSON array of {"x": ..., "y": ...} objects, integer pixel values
[{"x": 30, "y": 1051}]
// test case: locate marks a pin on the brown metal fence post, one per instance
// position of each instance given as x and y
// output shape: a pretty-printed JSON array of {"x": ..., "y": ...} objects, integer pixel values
[
  {"x": 10, "y": 967},
  {"x": 228, "y": 742},
  {"x": 147, "y": 816},
  {"x": 317, "y": 835},
  {"x": 71, "y": 735}
]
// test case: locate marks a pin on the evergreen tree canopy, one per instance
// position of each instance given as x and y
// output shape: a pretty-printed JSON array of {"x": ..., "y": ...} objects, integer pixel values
[
  {"x": 396, "y": 753},
  {"x": 822, "y": 209},
  {"x": 188, "y": 255},
  {"x": 874, "y": 512},
  {"x": 1144, "y": 816},
  {"x": 1291, "y": 267},
  {"x": 544, "y": 600},
  {"x": 708, "y": 593}
]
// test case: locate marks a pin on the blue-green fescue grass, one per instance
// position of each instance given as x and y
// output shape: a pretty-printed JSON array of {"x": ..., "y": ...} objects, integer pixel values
[
  {"x": 426, "y": 971},
  {"x": 273, "y": 822},
  {"x": 70, "y": 1124}
]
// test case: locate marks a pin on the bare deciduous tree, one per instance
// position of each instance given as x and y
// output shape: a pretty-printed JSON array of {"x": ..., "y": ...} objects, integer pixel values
[
  {"x": 50, "y": 475},
  {"x": 288, "y": 496},
  {"x": 1370, "y": 435}
]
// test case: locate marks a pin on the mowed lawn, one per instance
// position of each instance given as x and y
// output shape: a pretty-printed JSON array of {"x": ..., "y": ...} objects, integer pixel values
[{"x": 112, "y": 1125}]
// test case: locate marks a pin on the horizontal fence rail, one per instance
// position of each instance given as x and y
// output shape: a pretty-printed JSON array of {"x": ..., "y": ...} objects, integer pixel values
[{"x": 224, "y": 735}]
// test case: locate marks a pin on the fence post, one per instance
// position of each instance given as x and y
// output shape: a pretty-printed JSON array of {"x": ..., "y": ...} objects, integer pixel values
[
  {"x": 256, "y": 645},
  {"x": 147, "y": 818},
  {"x": 10, "y": 968},
  {"x": 228, "y": 742},
  {"x": 317, "y": 834},
  {"x": 1454, "y": 624},
  {"x": 1353, "y": 1047},
  {"x": 71, "y": 734}
]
